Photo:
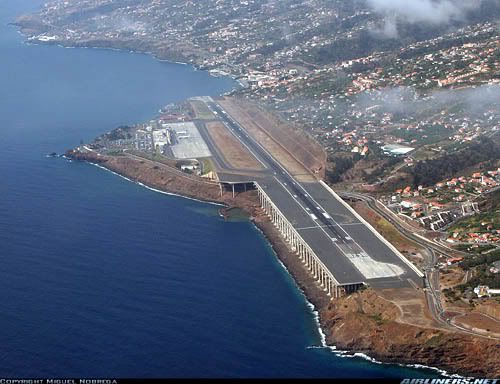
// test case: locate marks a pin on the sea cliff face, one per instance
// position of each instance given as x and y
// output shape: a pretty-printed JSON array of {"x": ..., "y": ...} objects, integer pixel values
[
  {"x": 363, "y": 322},
  {"x": 367, "y": 323}
]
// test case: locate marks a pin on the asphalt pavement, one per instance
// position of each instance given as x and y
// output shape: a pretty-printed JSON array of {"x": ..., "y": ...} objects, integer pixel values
[{"x": 345, "y": 244}]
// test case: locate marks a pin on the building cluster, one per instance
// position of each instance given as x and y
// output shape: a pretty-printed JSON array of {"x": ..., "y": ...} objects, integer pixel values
[
  {"x": 440, "y": 205},
  {"x": 303, "y": 60},
  {"x": 155, "y": 136},
  {"x": 228, "y": 36}
]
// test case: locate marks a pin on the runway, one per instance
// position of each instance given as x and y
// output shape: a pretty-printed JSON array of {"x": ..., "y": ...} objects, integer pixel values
[{"x": 348, "y": 247}]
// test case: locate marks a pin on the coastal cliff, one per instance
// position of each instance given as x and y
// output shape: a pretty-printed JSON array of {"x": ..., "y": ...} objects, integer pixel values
[{"x": 365, "y": 321}]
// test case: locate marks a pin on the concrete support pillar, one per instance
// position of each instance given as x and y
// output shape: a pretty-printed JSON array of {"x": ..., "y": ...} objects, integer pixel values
[{"x": 304, "y": 253}]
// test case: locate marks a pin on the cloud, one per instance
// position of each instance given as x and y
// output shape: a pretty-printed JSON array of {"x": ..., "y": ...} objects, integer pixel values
[
  {"x": 388, "y": 30},
  {"x": 434, "y": 12},
  {"x": 406, "y": 101}
]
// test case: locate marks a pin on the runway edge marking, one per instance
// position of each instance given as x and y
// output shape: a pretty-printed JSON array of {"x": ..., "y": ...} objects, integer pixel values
[{"x": 375, "y": 232}]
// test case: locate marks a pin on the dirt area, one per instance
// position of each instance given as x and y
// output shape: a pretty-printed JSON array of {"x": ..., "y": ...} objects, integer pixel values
[
  {"x": 169, "y": 179},
  {"x": 389, "y": 325},
  {"x": 481, "y": 315},
  {"x": 201, "y": 110},
  {"x": 235, "y": 153},
  {"x": 479, "y": 322},
  {"x": 490, "y": 307},
  {"x": 368, "y": 323},
  {"x": 450, "y": 277},
  {"x": 411, "y": 304},
  {"x": 156, "y": 175},
  {"x": 293, "y": 148}
]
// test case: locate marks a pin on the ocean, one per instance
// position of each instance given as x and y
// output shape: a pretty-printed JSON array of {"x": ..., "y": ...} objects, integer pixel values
[{"x": 101, "y": 277}]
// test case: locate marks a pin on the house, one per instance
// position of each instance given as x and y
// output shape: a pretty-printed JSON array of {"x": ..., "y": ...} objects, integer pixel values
[{"x": 454, "y": 260}]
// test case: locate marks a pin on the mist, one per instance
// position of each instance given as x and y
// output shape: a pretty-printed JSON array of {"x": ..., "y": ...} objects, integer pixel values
[
  {"x": 432, "y": 12},
  {"x": 406, "y": 101}
]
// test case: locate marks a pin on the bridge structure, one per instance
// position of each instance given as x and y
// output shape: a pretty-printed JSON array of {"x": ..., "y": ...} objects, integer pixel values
[
  {"x": 340, "y": 249},
  {"x": 306, "y": 254}
]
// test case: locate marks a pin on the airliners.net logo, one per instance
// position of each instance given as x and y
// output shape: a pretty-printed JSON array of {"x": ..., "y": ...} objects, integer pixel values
[{"x": 462, "y": 380}]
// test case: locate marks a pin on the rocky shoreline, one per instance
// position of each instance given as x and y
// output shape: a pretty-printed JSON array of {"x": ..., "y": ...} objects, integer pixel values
[
  {"x": 31, "y": 26},
  {"x": 363, "y": 322}
]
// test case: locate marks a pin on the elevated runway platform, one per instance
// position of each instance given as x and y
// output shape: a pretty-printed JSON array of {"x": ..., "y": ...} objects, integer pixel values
[{"x": 337, "y": 245}]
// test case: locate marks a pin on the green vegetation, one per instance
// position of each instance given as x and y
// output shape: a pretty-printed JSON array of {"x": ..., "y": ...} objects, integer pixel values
[
  {"x": 451, "y": 294},
  {"x": 475, "y": 223},
  {"x": 158, "y": 157},
  {"x": 478, "y": 259},
  {"x": 339, "y": 164},
  {"x": 434, "y": 341},
  {"x": 482, "y": 276},
  {"x": 428, "y": 135},
  {"x": 201, "y": 111},
  {"x": 430, "y": 172},
  {"x": 206, "y": 166},
  {"x": 379, "y": 320},
  {"x": 122, "y": 132},
  {"x": 478, "y": 250},
  {"x": 116, "y": 153}
]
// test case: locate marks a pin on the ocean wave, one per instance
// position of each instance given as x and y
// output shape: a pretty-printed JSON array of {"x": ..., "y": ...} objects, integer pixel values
[
  {"x": 346, "y": 353},
  {"x": 310, "y": 306}
]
